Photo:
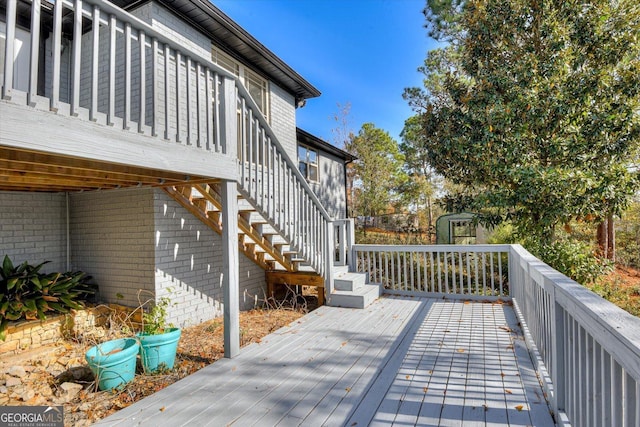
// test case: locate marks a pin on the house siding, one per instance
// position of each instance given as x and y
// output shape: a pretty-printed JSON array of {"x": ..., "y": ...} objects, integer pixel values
[{"x": 33, "y": 228}]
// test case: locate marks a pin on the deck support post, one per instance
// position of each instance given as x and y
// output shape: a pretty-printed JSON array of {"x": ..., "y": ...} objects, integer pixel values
[
  {"x": 329, "y": 256},
  {"x": 230, "y": 271}
]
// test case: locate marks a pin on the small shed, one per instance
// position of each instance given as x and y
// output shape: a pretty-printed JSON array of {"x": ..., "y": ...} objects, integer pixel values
[{"x": 459, "y": 229}]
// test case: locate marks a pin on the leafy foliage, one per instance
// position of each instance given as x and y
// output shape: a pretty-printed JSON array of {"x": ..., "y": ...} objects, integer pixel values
[
  {"x": 534, "y": 108},
  {"x": 26, "y": 293},
  {"x": 155, "y": 320},
  {"x": 377, "y": 171}
]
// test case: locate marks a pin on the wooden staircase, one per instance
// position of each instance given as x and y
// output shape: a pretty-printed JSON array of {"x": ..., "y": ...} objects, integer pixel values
[{"x": 257, "y": 239}]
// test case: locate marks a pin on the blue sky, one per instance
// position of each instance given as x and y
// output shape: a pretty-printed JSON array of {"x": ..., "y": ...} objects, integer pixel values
[{"x": 364, "y": 52}]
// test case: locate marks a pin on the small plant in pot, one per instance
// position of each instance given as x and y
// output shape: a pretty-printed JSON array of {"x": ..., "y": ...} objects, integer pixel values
[{"x": 158, "y": 339}]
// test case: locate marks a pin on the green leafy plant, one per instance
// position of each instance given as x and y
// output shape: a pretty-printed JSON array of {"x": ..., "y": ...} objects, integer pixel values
[
  {"x": 573, "y": 258},
  {"x": 154, "y": 320},
  {"x": 26, "y": 293}
]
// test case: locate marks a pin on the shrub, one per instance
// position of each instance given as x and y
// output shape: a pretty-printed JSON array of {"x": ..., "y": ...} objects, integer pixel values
[
  {"x": 26, "y": 293},
  {"x": 573, "y": 258}
]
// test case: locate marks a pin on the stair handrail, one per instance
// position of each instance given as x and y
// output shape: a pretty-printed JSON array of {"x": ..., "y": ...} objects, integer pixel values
[{"x": 276, "y": 142}]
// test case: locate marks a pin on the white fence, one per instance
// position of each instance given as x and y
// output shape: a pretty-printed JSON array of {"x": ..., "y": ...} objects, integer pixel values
[
  {"x": 472, "y": 271},
  {"x": 587, "y": 350}
]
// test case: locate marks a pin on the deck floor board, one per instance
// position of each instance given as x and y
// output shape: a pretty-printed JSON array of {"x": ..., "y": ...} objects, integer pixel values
[{"x": 402, "y": 361}]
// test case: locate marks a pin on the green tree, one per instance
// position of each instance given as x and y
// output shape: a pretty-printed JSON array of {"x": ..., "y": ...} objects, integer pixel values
[
  {"x": 534, "y": 108},
  {"x": 419, "y": 190},
  {"x": 377, "y": 172}
]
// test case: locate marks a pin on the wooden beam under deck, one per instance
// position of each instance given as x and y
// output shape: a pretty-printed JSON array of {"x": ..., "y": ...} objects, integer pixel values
[{"x": 24, "y": 170}]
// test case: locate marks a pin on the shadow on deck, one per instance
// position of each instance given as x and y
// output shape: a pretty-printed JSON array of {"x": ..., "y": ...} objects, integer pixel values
[{"x": 402, "y": 361}]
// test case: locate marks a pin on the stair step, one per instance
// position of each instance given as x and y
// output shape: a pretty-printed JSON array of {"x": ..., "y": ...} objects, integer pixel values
[
  {"x": 337, "y": 271},
  {"x": 349, "y": 281},
  {"x": 359, "y": 298}
]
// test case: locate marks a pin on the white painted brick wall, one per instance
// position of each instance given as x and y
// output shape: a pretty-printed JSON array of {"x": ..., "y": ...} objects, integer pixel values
[
  {"x": 33, "y": 228},
  {"x": 189, "y": 262},
  {"x": 283, "y": 119},
  {"x": 112, "y": 239},
  {"x": 331, "y": 186}
]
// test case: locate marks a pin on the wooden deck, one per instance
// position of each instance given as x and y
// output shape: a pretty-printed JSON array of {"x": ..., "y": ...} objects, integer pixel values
[{"x": 402, "y": 361}]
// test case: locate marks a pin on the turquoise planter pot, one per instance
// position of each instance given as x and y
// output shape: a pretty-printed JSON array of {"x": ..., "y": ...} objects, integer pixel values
[
  {"x": 159, "y": 350},
  {"x": 113, "y": 362}
]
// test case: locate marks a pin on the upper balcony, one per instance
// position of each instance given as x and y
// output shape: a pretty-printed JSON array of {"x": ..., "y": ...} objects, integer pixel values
[{"x": 88, "y": 81}]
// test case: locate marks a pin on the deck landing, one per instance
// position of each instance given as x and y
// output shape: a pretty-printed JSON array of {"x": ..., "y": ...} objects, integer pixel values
[{"x": 402, "y": 361}]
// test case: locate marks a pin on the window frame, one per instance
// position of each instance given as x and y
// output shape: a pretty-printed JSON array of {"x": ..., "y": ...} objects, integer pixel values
[
  {"x": 247, "y": 76},
  {"x": 308, "y": 163}
]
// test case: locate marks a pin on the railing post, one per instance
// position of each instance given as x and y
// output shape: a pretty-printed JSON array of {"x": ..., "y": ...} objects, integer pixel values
[
  {"x": 229, "y": 119},
  {"x": 329, "y": 256},
  {"x": 350, "y": 241},
  {"x": 7, "y": 85}
]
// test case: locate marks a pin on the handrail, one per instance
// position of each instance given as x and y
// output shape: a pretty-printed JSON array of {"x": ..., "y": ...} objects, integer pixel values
[
  {"x": 271, "y": 182},
  {"x": 588, "y": 348}
]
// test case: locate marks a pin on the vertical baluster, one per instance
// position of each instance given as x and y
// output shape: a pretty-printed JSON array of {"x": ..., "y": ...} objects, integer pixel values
[
  {"x": 95, "y": 56},
  {"x": 493, "y": 284},
  {"x": 406, "y": 278},
  {"x": 216, "y": 112},
  {"x": 198, "y": 70},
  {"x": 178, "y": 95},
  {"x": 35, "y": 52},
  {"x": 417, "y": 264},
  {"x": 411, "y": 270},
  {"x": 142, "y": 115},
  {"x": 468, "y": 271},
  {"x": 76, "y": 52},
  {"x": 263, "y": 163},
  {"x": 57, "y": 51},
  {"x": 260, "y": 166},
  {"x": 112, "y": 71},
  {"x": 9, "y": 47},
  {"x": 249, "y": 153},
  {"x": 477, "y": 277},
  {"x": 209, "y": 110},
  {"x": 127, "y": 76},
  {"x": 439, "y": 272},
  {"x": 484, "y": 273},
  {"x": 605, "y": 372},
  {"x": 461, "y": 272},
  {"x": 432, "y": 267},
  {"x": 453, "y": 272},
  {"x": 243, "y": 144},
  {"x": 155, "y": 59},
  {"x": 388, "y": 282},
  {"x": 167, "y": 54},
  {"x": 500, "y": 282},
  {"x": 188, "y": 97}
]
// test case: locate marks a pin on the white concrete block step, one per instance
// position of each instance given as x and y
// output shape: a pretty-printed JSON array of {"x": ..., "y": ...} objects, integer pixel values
[
  {"x": 359, "y": 298},
  {"x": 349, "y": 281}
]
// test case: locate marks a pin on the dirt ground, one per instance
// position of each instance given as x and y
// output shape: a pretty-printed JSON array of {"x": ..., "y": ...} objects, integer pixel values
[{"x": 59, "y": 375}]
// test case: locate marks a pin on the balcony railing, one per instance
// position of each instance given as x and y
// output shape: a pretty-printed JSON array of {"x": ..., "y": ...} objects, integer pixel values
[
  {"x": 104, "y": 65},
  {"x": 586, "y": 349}
]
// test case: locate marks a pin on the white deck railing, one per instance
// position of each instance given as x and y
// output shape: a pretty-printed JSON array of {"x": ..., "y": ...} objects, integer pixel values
[
  {"x": 116, "y": 70},
  {"x": 587, "y": 350},
  {"x": 473, "y": 271},
  {"x": 272, "y": 183}
]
